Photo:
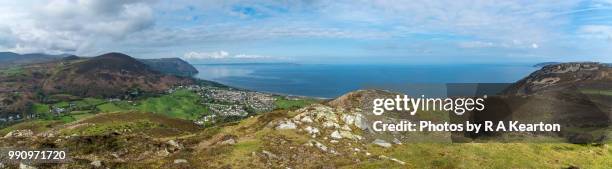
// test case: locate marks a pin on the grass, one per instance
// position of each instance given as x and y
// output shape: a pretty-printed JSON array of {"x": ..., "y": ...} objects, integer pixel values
[
  {"x": 493, "y": 155},
  {"x": 289, "y": 104},
  {"x": 416, "y": 155},
  {"x": 40, "y": 108},
  {"x": 597, "y": 92},
  {"x": 181, "y": 104},
  {"x": 113, "y": 107},
  {"x": 13, "y": 71},
  {"x": 149, "y": 123},
  {"x": 35, "y": 125}
]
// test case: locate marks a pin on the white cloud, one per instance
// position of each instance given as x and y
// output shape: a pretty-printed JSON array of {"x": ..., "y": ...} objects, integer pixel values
[
  {"x": 476, "y": 44},
  {"x": 596, "y": 31},
  {"x": 206, "y": 55},
  {"x": 245, "y": 56},
  {"x": 73, "y": 26},
  {"x": 219, "y": 55},
  {"x": 152, "y": 28}
]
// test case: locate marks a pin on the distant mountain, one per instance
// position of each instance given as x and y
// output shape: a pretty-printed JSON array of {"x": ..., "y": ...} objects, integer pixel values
[
  {"x": 174, "y": 66},
  {"x": 109, "y": 75},
  {"x": 10, "y": 59}
]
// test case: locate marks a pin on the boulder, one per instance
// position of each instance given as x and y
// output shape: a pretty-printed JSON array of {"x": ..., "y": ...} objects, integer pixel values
[
  {"x": 382, "y": 143},
  {"x": 163, "y": 153},
  {"x": 96, "y": 163},
  {"x": 360, "y": 122},
  {"x": 230, "y": 141},
  {"x": 179, "y": 161},
  {"x": 286, "y": 125},
  {"x": 336, "y": 135},
  {"x": 392, "y": 159},
  {"x": 319, "y": 145},
  {"x": 306, "y": 119},
  {"x": 19, "y": 134},
  {"x": 269, "y": 154},
  {"x": 311, "y": 130},
  {"x": 25, "y": 166},
  {"x": 175, "y": 144}
]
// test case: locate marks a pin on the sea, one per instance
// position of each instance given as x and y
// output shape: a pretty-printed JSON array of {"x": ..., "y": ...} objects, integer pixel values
[{"x": 333, "y": 80}]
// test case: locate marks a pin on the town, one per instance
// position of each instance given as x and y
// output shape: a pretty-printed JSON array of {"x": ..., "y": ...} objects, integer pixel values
[{"x": 229, "y": 102}]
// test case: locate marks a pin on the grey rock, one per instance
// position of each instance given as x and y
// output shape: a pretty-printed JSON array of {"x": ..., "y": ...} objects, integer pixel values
[
  {"x": 163, "y": 153},
  {"x": 24, "y": 166},
  {"x": 361, "y": 122},
  {"x": 397, "y": 141},
  {"x": 286, "y": 125},
  {"x": 19, "y": 133},
  {"x": 230, "y": 141},
  {"x": 175, "y": 144},
  {"x": 382, "y": 143},
  {"x": 96, "y": 163},
  {"x": 336, "y": 135},
  {"x": 269, "y": 154},
  {"x": 311, "y": 130},
  {"x": 318, "y": 145},
  {"x": 306, "y": 119},
  {"x": 179, "y": 161},
  {"x": 392, "y": 159}
]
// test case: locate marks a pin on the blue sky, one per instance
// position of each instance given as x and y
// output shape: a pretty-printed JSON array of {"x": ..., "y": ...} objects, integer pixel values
[{"x": 343, "y": 31}]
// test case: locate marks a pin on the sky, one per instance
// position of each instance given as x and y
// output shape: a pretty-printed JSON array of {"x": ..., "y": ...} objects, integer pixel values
[{"x": 312, "y": 31}]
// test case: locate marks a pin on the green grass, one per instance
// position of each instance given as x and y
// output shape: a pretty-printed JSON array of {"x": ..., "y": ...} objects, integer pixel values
[
  {"x": 13, "y": 71},
  {"x": 288, "y": 104},
  {"x": 149, "y": 123},
  {"x": 40, "y": 108},
  {"x": 181, "y": 104},
  {"x": 597, "y": 92},
  {"x": 102, "y": 128},
  {"x": 35, "y": 125},
  {"x": 112, "y": 107},
  {"x": 493, "y": 155}
]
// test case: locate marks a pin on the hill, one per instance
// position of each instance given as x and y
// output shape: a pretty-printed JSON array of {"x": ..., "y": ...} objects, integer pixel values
[
  {"x": 8, "y": 59},
  {"x": 564, "y": 76},
  {"x": 112, "y": 75},
  {"x": 109, "y": 75},
  {"x": 174, "y": 66}
]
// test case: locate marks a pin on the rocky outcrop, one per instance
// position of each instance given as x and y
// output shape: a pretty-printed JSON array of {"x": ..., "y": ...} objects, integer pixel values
[
  {"x": 563, "y": 76},
  {"x": 19, "y": 134}
]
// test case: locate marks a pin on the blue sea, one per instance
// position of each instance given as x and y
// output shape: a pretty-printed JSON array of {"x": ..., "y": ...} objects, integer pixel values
[{"x": 332, "y": 80}]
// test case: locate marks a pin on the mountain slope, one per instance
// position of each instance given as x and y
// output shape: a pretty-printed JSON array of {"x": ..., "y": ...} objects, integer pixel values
[
  {"x": 174, "y": 66},
  {"x": 564, "y": 76},
  {"x": 109, "y": 75},
  {"x": 8, "y": 59}
]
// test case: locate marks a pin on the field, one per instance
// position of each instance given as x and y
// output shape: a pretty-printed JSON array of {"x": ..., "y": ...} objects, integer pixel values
[
  {"x": 12, "y": 71},
  {"x": 182, "y": 104},
  {"x": 292, "y": 104}
]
